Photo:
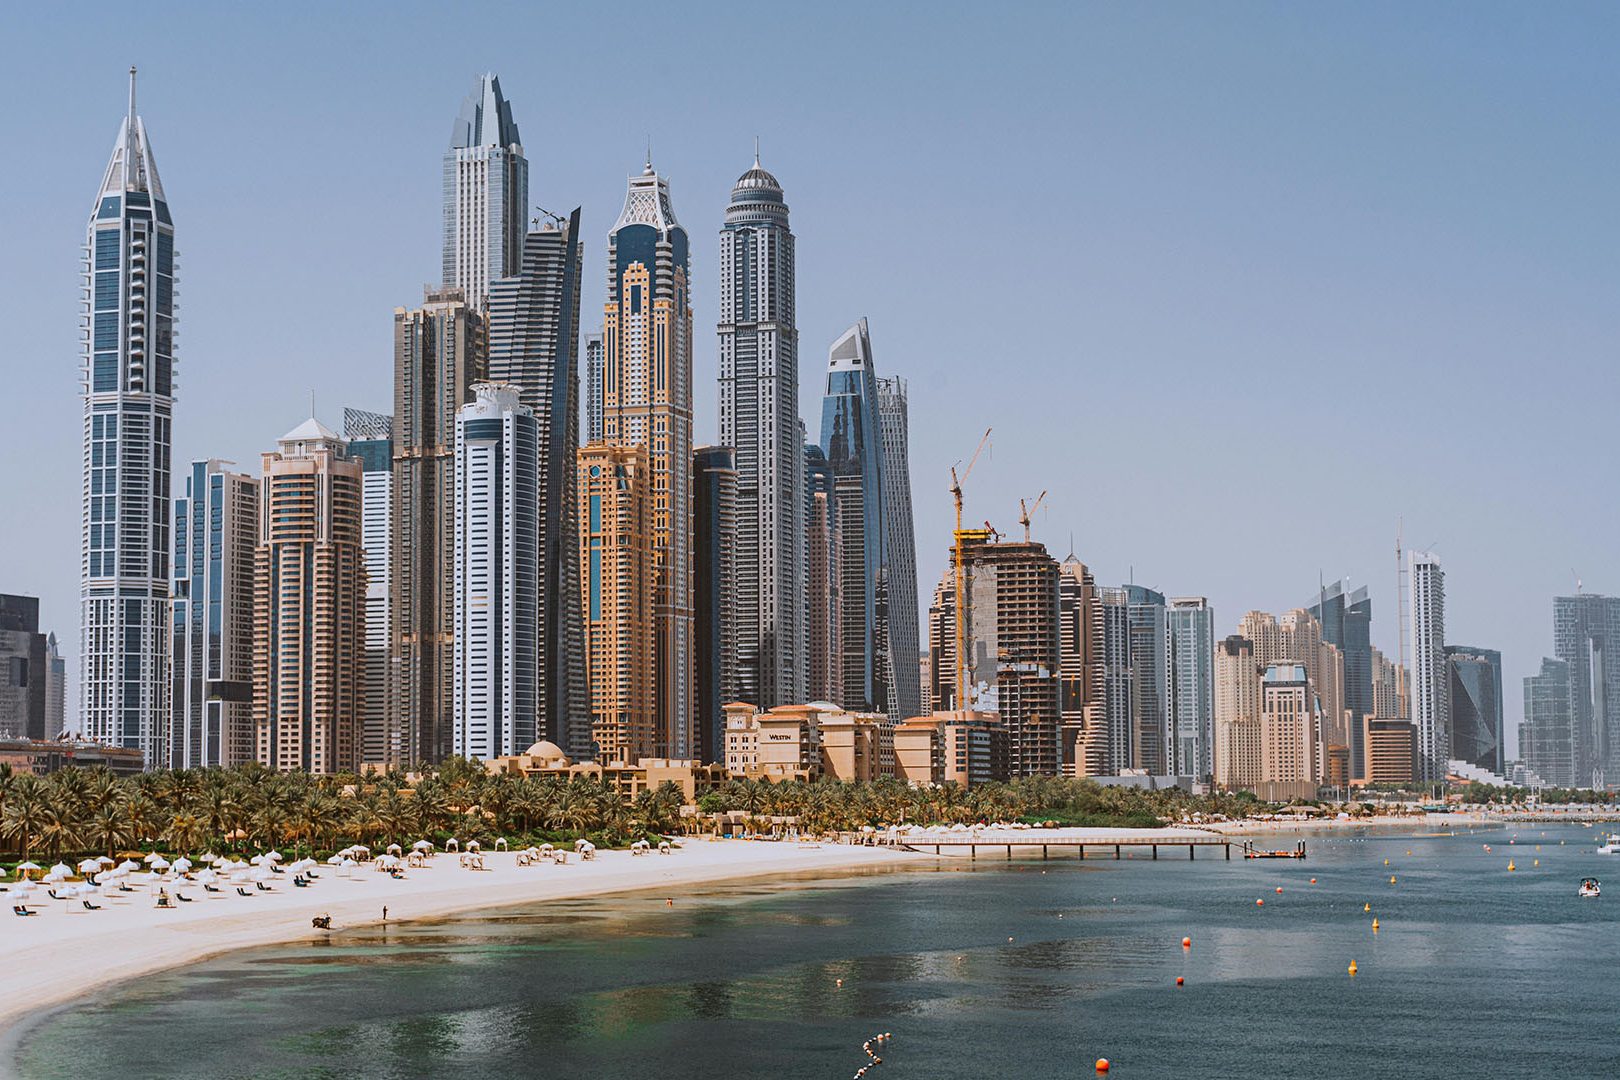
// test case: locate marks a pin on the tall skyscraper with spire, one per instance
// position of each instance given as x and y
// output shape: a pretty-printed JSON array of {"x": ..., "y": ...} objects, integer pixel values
[
  {"x": 128, "y": 379},
  {"x": 900, "y": 544},
  {"x": 759, "y": 409},
  {"x": 647, "y": 402},
  {"x": 486, "y": 194},
  {"x": 1431, "y": 680}
]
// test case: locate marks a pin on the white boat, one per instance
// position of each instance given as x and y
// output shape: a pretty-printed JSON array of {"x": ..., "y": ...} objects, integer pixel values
[
  {"x": 1611, "y": 846},
  {"x": 1589, "y": 887}
]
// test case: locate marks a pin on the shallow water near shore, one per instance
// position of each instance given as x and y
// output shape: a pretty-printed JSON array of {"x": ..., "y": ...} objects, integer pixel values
[{"x": 1028, "y": 969}]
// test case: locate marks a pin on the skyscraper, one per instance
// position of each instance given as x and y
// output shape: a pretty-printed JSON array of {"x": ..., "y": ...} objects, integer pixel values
[
  {"x": 1190, "y": 731},
  {"x": 129, "y": 288},
  {"x": 23, "y": 669},
  {"x": 371, "y": 442},
  {"x": 1476, "y": 706},
  {"x": 714, "y": 594},
  {"x": 759, "y": 412},
  {"x": 615, "y": 491},
  {"x": 593, "y": 386},
  {"x": 439, "y": 352},
  {"x": 216, "y": 532},
  {"x": 900, "y": 543},
  {"x": 824, "y": 554},
  {"x": 1586, "y": 636},
  {"x": 309, "y": 605},
  {"x": 1238, "y": 742},
  {"x": 486, "y": 194},
  {"x": 534, "y": 347},
  {"x": 1085, "y": 742},
  {"x": 1288, "y": 735},
  {"x": 1431, "y": 682},
  {"x": 647, "y": 401},
  {"x": 1346, "y": 618},
  {"x": 497, "y": 573},
  {"x": 852, "y": 443},
  {"x": 1547, "y": 737},
  {"x": 1150, "y": 671},
  {"x": 55, "y": 689},
  {"x": 1119, "y": 727}
]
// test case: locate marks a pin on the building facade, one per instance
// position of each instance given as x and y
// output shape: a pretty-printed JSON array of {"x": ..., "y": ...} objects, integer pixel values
[
  {"x": 1346, "y": 618},
  {"x": 1239, "y": 761},
  {"x": 439, "y": 353},
  {"x": 1547, "y": 738},
  {"x": 1148, "y": 629},
  {"x": 1190, "y": 688},
  {"x": 1586, "y": 636},
  {"x": 370, "y": 437},
  {"x": 1288, "y": 735},
  {"x": 824, "y": 560},
  {"x": 486, "y": 194},
  {"x": 216, "y": 532},
  {"x": 900, "y": 545},
  {"x": 128, "y": 378},
  {"x": 1084, "y": 735},
  {"x": 759, "y": 412},
  {"x": 616, "y": 495},
  {"x": 593, "y": 386},
  {"x": 647, "y": 402},
  {"x": 715, "y": 555},
  {"x": 1476, "y": 707},
  {"x": 24, "y": 669},
  {"x": 1431, "y": 681},
  {"x": 534, "y": 347},
  {"x": 497, "y": 574},
  {"x": 309, "y": 601},
  {"x": 55, "y": 690}
]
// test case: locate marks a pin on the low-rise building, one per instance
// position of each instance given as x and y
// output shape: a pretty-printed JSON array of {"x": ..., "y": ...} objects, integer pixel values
[
  {"x": 955, "y": 747},
  {"x": 806, "y": 742},
  {"x": 1391, "y": 744},
  {"x": 38, "y": 757},
  {"x": 693, "y": 778}
]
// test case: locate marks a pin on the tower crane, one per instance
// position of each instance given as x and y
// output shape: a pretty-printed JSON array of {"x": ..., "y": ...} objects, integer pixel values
[
  {"x": 1024, "y": 513},
  {"x": 961, "y": 573}
]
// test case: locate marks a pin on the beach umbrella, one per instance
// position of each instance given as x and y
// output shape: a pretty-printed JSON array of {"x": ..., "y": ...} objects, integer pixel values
[
  {"x": 22, "y": 890},
  {"x": 106, "y": 860},
  {"x": 273, "y": 856},
  {"x": 153, "y": 856},
  {"x": 472, "y": 845},
  {"x": 2, "y": 871},
  {"x": 182, "y": 864},
  {"x": 208, "y": 858},
  {"x": 160, "y": 863},
  {"x": 257, "y": 860},
  {"x": 394, "y": 849},
  {"x": 89, "y": 866},
  {"x": 261, "y": 874},
  {"x": 334, "y": 860},
  {"x": 422, "y": 845},
  {"x": 207, "y": 877},
  {"x": 62, "y": 869},
  {"x": 126, "y": 866}
]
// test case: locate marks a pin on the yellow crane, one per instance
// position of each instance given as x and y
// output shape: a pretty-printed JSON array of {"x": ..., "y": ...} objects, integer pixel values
[
  {"x": 1024, "y": 513},
  {"x": 961, "y": 574}
]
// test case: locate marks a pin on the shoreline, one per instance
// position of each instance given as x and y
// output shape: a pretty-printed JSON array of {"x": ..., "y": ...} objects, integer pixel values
[{"x": 71, "y": 953}]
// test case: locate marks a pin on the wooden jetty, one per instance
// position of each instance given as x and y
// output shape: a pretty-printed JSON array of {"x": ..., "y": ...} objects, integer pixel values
[{"x": 1084, "y": 843}]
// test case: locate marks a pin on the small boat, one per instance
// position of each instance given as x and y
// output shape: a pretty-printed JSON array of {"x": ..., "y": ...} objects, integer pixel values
[
  {"x": 1589, "y": 887},
  {"x": 1611, "y": 846}
]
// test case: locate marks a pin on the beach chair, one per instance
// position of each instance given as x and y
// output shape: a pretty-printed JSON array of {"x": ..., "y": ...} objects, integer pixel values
[
  {"x": 52, "y": 894},
  {"x": 88, "y": 906},
  {"x": 242, "y": 892},
  {"x": 262, "y": 887},
  {"x": 211, "y": 888},
  {"x": 184, "y": 899},
  {"x": 124, "y": 888},
  {"x": 300, "y": 883},
  {"x": 164, "y": 902},
  {"x": 19, "y": 909}
]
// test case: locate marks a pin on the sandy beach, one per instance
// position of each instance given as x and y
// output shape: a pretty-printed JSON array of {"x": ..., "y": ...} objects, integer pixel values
[{"x": 66, "y": 952}]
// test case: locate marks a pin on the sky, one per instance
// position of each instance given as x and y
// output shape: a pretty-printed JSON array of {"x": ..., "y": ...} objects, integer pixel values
[{"x": 1246, "y": 288}]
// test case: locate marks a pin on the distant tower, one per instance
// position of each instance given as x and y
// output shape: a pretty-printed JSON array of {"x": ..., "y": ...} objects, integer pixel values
[
  {"x": 371, "y": 442},
  {"x": 1586, "y": 636},
  {"x": 486, "y": 194},
  {"x": 647, "y": 402},
  {"x": 823, "y": 581},
  {"x": 714, "y": 591},
  {"x": 1431, "y": 681},
  {"x": 216, "y": 532},
  {"x": 593, "y": 386},
  {"x": 128, "y": 372},
  {"x": 534, "y": 348},
  {"x": 900, "y": 541},
  {"x": 759, "y": 411},
  {"x": 55, "y": 690},
  {"x": 497, "y": 573},
  {"x": 309, "y": 605},
  {"x": 1190, "y": 731}
]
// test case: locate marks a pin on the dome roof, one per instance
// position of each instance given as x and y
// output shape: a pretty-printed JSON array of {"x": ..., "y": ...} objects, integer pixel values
[
  {"x": 756, "y": 179},
  {"x": 547, "y": 751}
]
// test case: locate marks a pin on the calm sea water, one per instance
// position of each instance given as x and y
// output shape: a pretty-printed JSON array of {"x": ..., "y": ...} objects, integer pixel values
[{"x": 1028, "y": 970}]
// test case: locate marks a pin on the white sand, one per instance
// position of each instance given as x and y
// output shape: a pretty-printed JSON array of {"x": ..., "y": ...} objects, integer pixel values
[{"x": 62, "y": 954}]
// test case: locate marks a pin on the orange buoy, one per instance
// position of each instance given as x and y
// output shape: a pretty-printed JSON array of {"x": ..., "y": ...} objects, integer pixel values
[
  {"x": 1102, "y": 1065},
  {"x": 1352, "y": 968},
  {"x": 1186, "y": 943},
  {"x": 1511, "y": 867},
  {"x": 1392, "y": 879},
  {"x": 1180, "y": 980},
  {"x": 1313, "y": 881},
  {"x": 1259, "y": 903},
  {"x": 1375, "y": 926},
  {"x": 1279, "y": 888},
  {"x": 1366, "y": 907}
]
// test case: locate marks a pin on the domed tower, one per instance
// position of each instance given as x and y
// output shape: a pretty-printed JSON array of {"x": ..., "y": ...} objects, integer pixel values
[{"x": 759, "y": 417}]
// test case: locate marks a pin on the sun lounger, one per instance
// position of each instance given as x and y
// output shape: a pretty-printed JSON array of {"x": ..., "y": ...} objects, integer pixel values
[
  {"x": 88, "y": 906},
  {"x": 18, "y": 909},
  {"x": 242, "y": 892},
  {"x": 182, "y": 899},
  {"x": 262, "y": 887},
  {"x": 211, "y": 888},
  {"x": 124, "y": 888}
]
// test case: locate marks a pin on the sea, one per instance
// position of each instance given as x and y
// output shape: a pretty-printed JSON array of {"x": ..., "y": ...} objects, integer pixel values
[{"x": 1029, "y": 969}]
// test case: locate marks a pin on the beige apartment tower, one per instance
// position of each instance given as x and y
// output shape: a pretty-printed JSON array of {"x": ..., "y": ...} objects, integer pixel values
[
  {"x": 309, "y": 606},
  {"x": 1238, "y": 763},
  {"x": 439, "y": 353},
  {"x": 617, "y": 586}
]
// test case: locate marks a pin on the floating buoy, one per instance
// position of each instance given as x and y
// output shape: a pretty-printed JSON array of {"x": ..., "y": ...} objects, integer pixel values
[
  {"x": 1180, "y": 980},
  {"x": 1009, "y": 939},
  {"x": 1386, "y": 862},
  {"x": 1366, "y": 907},
  {"x": 1259, "y": 903},
  {"x": 1535, "y": 862},
  {"x": 1409, "y": 851},
  {"x": 1352, "y": 968},
  {"x": 1102, "y": 1065},
  {"x": 1392, "y": 879},
  {"x": 1375, "y": 926},
  {"x": 1186, "y": 943},
  {"x": 838, "y": 982},
  {"x": 1279, "y": 888},
  {"x": 1511, "y": 867},
  {"x": 1313, "y": 881}
]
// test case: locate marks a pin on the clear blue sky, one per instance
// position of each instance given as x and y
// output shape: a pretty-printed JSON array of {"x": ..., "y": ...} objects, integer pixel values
[{"x": 1241, "y": 284}]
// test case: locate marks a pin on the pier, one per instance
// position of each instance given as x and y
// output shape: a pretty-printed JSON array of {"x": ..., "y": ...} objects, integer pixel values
[{"x": 1095, "y": 843}]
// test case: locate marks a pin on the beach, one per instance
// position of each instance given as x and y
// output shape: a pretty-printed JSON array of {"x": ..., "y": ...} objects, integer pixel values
[{"x": 66, "y": 952}]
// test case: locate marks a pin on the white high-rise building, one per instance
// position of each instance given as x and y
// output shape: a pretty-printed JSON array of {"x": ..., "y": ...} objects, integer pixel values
[
  {"x": 497, "y": 575},
  {"x": 759, "y": 412},
  {"x": 1431, "y": 680},
  {"x": 1190, "y": 688},
  {"x": 128, "y": 373},
  {"x": 486, "y": 194}
]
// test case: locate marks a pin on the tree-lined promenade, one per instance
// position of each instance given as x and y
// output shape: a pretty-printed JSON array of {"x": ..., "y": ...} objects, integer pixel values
[{"x": 92, "y": 811}]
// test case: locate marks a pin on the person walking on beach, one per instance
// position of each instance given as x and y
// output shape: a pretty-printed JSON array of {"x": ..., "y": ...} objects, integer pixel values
[{"x": 385, "y": 913}]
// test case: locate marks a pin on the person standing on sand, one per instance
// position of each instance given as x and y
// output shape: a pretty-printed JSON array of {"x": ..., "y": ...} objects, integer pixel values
[{"x": 385, "y": 913}]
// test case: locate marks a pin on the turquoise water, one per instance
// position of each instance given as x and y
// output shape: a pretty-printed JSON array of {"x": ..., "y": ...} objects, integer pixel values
[{"x": 1474, "y": 972}]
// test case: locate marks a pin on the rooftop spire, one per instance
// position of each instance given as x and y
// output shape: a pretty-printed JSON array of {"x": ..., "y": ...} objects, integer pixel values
[
  {"x": 756, "y": 151},
  {"x": 647, "y": 170},
  {"x": 129, "y": 133}
]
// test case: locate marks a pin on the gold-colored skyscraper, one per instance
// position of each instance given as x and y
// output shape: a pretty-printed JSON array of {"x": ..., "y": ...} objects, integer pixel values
[
  {"x": 615, "y": 515},
  {"x": 309, "y": 606},
  {"x": 647, "y": 402}
]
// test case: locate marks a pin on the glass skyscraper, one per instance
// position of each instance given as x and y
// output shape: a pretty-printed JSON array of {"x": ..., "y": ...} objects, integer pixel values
[
  {"x": 1586, "y": 636},
  {"x": 128, "y": 410},
  {"x": 1476, "y": 706},
  {"x": 1190, "y": 731},
  {"x": 1431, "y": 681},
  {"x": 900, "y": 539},
  {"x": 371, "y": 442},
  {"x": 486, "y": 194},
  {"x": 759, "y": 411}
]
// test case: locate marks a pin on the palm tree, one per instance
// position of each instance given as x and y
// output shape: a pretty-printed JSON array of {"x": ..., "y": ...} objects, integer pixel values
[
  {"x": 108, "y": 827},
  {"x": 27, "y": 811}
]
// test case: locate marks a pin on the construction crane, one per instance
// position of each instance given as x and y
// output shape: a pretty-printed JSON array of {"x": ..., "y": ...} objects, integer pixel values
[
  {"x": 961, "y": 573},
  {"x": 1024, "y": 513},
  {"x": 992, "y": 532}
]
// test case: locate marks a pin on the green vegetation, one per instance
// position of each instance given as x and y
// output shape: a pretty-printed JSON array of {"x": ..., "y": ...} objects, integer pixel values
[{"x": 90, "y": 811}]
